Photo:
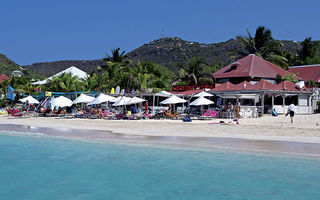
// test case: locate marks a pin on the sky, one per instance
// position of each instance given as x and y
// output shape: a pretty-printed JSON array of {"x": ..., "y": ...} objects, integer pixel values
[{"x": 43, "y": 31}]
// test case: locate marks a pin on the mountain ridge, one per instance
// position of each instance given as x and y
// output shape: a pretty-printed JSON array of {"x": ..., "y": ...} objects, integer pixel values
[{"x": 165, "y": 51}]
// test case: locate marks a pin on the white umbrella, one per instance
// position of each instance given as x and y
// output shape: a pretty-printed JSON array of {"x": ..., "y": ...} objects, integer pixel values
[
  {"x": 203, "y": 94},
  {"x": 173, "y": 100},
  {"x": 122, "y": 101},
  {"x": 61, "y": 102},
  {"x": 101, "y": 99},
  {"x": 135, "y": 100},
  {"x": 83, "y": 99},
  {"x": 116, "y": 99},
  {"x": 30, "y": 99},
  {"x": 201, "y": 101},
  {"x": 163, "y": 94}
]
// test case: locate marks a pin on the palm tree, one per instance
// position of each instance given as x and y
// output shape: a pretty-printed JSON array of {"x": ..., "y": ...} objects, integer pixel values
[
  {"x": 193, "y": 71},
  {"x": 3, "y": 86},
  {"x": 117, "y": 56},
  {"x": 307, "y": 50},
  {"x": 309, "y": 53},
  {"x": 263, "y": 45},
  {"x": 64, "y": 83},
  {"x": 28, "y": 88},
  {"x": 90, "y": 82}
]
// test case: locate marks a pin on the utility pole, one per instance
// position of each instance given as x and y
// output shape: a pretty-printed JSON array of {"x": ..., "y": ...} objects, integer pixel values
[{"x": 163, "y": 33}]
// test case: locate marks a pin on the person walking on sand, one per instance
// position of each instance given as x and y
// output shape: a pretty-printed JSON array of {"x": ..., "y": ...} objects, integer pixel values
[{"x": 291, "y": 110}]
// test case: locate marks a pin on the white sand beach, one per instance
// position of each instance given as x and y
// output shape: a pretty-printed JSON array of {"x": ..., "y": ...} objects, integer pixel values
[{"x": 306, "y": 128}]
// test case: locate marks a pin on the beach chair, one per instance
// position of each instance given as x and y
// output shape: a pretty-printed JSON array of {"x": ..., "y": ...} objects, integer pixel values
[
  {"x": 15, "y": 113},
  {"x": 170, "y": 116},
  {"x": 209, "y": 114},
  {"x": 139, "y": 115},
  {"x": 109, "y": 115},
  {"x": 205, "y": 115}
]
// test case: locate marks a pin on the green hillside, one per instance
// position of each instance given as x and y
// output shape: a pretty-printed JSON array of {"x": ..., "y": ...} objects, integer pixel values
[{"x": 7, "y": 65}]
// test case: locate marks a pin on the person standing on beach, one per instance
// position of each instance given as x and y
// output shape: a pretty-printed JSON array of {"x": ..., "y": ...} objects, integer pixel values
[
  {"x": 238, "y": 109},
  {"x": 291, "y": 110}
]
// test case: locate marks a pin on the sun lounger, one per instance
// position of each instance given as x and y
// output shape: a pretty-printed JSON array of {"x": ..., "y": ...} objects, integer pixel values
[
  {"x": 15, "y": 113},
  {"x": 170, "y": 116},
  {"x": 139, "y": 115},
  {"x": 209, "y": 114},
  {"x": 45, "y": 112}
]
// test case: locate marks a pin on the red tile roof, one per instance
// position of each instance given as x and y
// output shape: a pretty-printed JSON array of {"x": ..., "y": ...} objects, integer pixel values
[
  {"x": 261, "y": 85},
  {"x": 289, "y": 86},
  {"x": 4, "y": 77},
  {"x": 307, "y": 72},
  {"x": 231, "y": 87},
  {"x": 250, "y": 66}
]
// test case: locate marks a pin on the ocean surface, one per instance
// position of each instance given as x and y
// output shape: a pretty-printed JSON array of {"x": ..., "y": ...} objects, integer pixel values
[{"x": 38, "y": 167}]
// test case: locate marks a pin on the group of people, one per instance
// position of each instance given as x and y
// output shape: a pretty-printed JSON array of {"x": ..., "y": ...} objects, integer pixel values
[{"x": 229, "y": 107}]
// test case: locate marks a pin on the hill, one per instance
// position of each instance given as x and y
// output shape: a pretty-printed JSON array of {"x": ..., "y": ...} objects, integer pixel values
[
  {"x": 51, "y": 68},
  {"x": 165, "y": 51},
  {"x": 7, "y": 65}
]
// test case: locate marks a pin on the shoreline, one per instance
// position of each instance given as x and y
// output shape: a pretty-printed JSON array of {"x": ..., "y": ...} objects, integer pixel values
[{"x": 251, "y": 134}]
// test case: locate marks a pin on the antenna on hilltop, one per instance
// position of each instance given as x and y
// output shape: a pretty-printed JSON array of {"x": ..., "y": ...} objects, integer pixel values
[{"x": 163, "y": 33}]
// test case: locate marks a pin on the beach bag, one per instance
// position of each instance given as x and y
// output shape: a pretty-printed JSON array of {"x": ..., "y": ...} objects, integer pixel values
[
  {"x": 187, "y": 119},
  {"x": 274, "y": 112}
]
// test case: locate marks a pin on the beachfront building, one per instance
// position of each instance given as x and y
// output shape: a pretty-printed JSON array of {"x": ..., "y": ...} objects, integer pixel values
[
  {"x": 311, "y": 75},
  {"x": 253, "y": 81},
  {"x": 263, "y": 97},
  {"x": 4, "y": 77}
]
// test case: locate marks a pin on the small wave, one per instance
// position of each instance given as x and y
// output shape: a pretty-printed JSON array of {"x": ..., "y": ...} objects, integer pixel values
[{"x": 21, "y": 133}]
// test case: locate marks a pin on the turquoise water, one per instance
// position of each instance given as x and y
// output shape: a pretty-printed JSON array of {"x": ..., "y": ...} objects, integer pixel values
[{"x": 45, "y": 168}]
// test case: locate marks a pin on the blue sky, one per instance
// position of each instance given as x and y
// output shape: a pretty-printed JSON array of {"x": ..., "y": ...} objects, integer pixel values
[{"x": 39, "y": 31}]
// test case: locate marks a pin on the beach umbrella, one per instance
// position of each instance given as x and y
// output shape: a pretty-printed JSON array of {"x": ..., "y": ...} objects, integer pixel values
[
  {"x": 201, "y": 101},
  {"x": 173, "y": 100},
  {"x": 83, "y": 99},
  {"x": 203, "y": 94},
  {"x": 101, "y": 99},
  {"x": 117, "y": 99},
  {"x": 30, "y": 99},
  {"x": 135, "y": 100},
  {"x": 61, "y": 102},
  {"x": 114, "y": 99},
  {"x": 122, "y": 101},
  {"x": 163, "y": 94}
]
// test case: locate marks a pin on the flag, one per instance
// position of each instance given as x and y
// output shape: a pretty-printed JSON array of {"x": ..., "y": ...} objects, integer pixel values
[{"x": 10, "y": 93}]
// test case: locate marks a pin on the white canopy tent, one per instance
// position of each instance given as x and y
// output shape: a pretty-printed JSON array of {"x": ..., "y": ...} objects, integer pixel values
[
  {"x": 117, "y": 99},
  {"x": 201, "y": 101},
  {"x": 173, "y": 100},
  {"x": 101, "y": 99},
  {"x": 122, "y": 101},
  {"x": 203, "y": 94},
  {"x": 83, "y": 98},
  {"x": 30, "y": 99},
  {"x": 61, "y": 101},
  {"x": 73, "y": 70},
  {"x": 135, "y": 100}
]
